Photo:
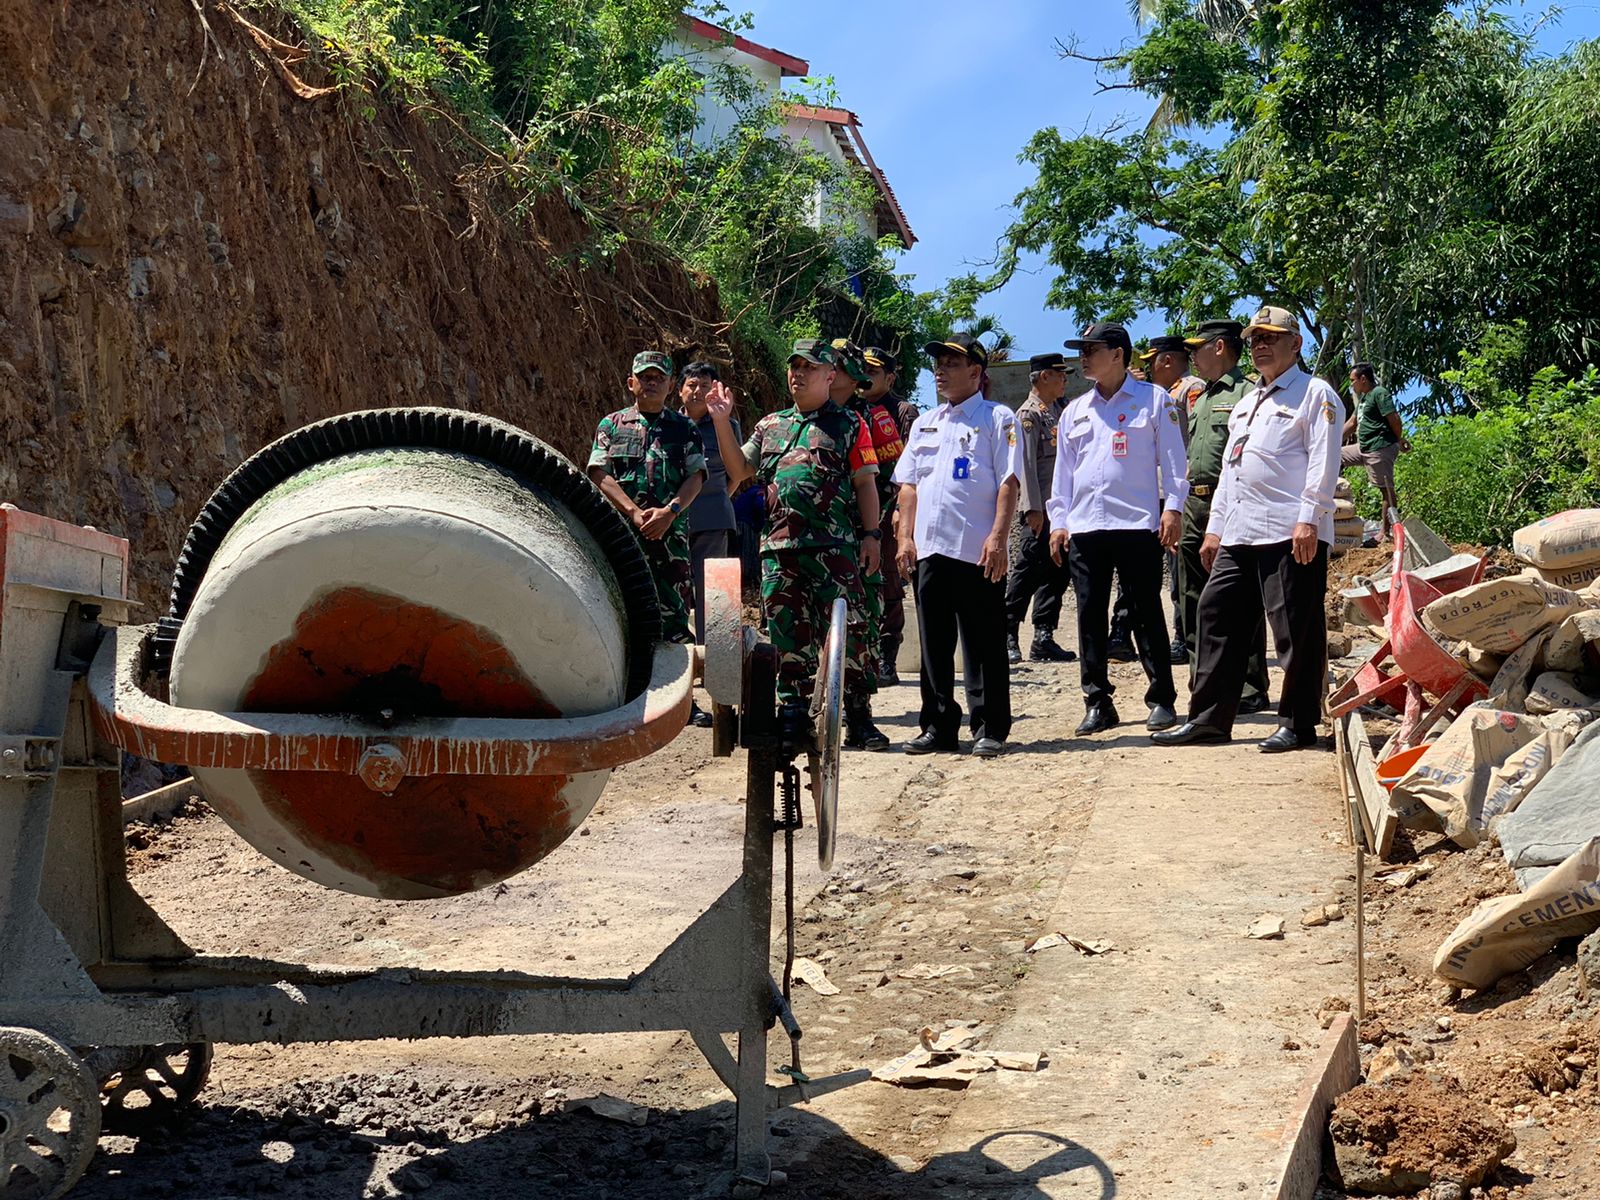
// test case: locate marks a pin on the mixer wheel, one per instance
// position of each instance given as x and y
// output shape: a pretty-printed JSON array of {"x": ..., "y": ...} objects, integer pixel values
[
  {"x": 827, "y": 717},
  {"x": 153, "y": 1083},
  {"x": 49, "y": 1116}
]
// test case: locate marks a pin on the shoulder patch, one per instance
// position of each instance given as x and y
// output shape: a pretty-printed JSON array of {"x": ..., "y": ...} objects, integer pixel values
[{"x": 1327, "y": 411}]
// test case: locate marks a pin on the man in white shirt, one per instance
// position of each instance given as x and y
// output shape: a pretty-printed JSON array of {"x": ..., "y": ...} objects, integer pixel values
[
  {"x": 958, "y": 497},
  {"x": 1116, "y": 502},
  {"x": 1267, "y": 542}
]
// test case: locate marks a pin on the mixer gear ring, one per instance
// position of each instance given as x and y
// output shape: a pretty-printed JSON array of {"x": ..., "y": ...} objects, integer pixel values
[
  {"x": 159, "y": 1081},
  {"x": 49, "y": 1116},
  {"x": 827, "y": 715},
  {"x": 515, "y": 451}
]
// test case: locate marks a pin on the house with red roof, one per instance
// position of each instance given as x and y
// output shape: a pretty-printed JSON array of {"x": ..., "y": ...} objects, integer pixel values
[{"x": 835, "y": 133}]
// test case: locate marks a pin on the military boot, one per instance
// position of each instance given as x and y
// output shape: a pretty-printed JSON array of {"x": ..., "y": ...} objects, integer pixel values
[
  {"x": 859, "y": 731},
  {"x": 1045, "y": 648},
  {"x": 1013, "y": 648},
  {"x": 888, "y": 672}
]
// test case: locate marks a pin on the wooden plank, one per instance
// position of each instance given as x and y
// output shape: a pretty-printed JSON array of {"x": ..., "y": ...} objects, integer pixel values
[
  {"x": 1335, "y": 1070},
  {"x": 1377, "y": 813},
  {"x": 161, "y": 803}
]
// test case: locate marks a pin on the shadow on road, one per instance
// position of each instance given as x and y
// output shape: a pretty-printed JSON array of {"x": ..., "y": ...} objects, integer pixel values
[{"x": 225, "y": 1151}]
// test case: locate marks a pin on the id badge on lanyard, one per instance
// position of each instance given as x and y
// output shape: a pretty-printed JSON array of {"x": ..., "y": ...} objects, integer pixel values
[
  {"x": 1119, "y": 445},
  {"x": 961, "y": 468}
]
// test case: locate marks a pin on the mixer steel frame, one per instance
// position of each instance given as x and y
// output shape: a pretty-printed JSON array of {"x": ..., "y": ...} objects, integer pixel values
[{"x": 87, "y": 962}]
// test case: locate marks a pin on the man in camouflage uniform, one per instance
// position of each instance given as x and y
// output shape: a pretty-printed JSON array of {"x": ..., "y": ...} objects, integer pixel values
[
  {"x": 649, "y": 462},
  {"x": 879, "y": 390},
  {"x": 886, "y": 447},
  {"x": 1034, "y": 575},
  {"x": 815, "y": 460},
  {"x": 1170, "y": 368},
  {"x": 1217, "y": 346}
]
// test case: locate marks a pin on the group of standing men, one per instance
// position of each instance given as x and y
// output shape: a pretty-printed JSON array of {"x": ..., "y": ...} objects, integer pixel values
[{"x": 1233, "y": 477}]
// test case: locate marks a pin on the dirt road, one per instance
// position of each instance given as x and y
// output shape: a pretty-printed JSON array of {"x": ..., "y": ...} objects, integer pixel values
[{"x": 1170, "y": 1059}]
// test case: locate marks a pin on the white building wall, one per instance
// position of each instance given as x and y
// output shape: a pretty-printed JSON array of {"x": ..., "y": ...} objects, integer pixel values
[{"x": 716, "y": 118}]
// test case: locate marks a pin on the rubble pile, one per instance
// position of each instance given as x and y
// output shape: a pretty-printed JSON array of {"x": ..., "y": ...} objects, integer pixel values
[{"x": 1512, "y": 777}]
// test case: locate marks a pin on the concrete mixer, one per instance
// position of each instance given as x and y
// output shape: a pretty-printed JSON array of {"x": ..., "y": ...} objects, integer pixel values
[{"x": 403, "y": 651}]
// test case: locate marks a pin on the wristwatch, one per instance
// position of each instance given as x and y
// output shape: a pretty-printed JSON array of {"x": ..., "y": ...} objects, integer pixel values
[
  {"x": 873, "y": 533},
  {"x": 675, "y": 508}
]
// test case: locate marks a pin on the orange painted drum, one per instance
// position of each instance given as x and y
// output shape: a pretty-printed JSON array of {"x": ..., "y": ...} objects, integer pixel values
[{"x": 401, "y": 584}]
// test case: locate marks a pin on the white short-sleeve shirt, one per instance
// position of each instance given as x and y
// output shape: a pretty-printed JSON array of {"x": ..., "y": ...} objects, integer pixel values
[{"x": 958, "y": 458}]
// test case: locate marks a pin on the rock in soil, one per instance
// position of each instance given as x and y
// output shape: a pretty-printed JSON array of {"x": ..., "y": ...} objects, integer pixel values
[{"x": 1401, "y": 1138}]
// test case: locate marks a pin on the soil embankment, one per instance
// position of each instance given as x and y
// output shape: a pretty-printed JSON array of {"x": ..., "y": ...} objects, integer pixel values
[{"x": 196, "y": 258}]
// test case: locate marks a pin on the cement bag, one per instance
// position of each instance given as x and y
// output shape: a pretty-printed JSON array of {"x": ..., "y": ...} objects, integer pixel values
[
  {"x": 1509, "y": 688},
  {"x": 1561, "y": 813},
  {"x": 1501, "y": 614},
  {"x": 1508, "y": 933},
  {"x": 1341, "y": 488},
  {"x": 1483, "y": 766},
  {"x": 1481, "y": 663},
  {"x": 1554, "y": 691},
  {"x": 1560, "y": 542},
  {"x": 1344, "y": 510},
  {"x": 1571, "y": 578},
  {"x": 1575, "y": 643}
]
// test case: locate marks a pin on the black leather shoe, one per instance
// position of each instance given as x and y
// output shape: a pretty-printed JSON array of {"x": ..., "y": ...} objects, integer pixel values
[
  {"x": 699, "y": 717},
  {"x": 1046, "y": 649},
  {"x": 1179, "y": 651},
  {"x": 1121, "y": 650},
  {"x": 1161, "y": 717},
  {"x": 860, "y": 732},
  {"x": 1013, "y": 649},
  {"x": 1099, "y": 717},
  {"x": 1286, "y": 739},
  {"x": 927, "y": 742},
  {"x": 1251, "y": 705},
  {"x": 1190, "y": 734},
  {"x": 988, "y": 747}
]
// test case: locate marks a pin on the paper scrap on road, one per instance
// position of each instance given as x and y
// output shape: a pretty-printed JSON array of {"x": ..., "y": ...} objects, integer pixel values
[
  {"x": 1267, "y": 928},
  {"x": 814, "y": 977},
  {"x": 609, "y": 1107},
  {"x": 948, "y": 1059},
  {"x": 1049, "y": 941}
]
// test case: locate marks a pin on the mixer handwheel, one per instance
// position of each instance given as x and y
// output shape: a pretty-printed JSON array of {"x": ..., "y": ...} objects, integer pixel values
[
  {"x": 157, "y": 1082},
  {"x": 49, "y": 1116},
  {"x": 827, "y": 718}
]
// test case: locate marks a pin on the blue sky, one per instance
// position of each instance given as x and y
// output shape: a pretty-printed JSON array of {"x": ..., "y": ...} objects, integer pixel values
[{"x": 937, "y": 84}]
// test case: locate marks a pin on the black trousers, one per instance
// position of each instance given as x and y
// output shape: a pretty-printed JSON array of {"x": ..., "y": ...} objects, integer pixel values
[
  {"x": 953, "y": 597},
  {"x": 1194, "y": 575},
  {"x": 1245, "y": 580},
  {"x": 1035, "y": 576},
  {"x": 1134, "y": 555}
]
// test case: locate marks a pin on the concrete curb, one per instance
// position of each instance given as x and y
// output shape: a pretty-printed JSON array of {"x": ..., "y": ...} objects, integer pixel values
[
  {"x": 161, "y": 803},
  {"x": 1335, "y": 1070}
]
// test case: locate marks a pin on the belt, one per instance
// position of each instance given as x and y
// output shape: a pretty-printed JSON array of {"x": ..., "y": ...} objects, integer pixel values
[{"x": 1201, "y": 489}]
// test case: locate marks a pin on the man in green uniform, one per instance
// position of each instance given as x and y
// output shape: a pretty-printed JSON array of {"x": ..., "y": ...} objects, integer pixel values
[
  {"x": 1380, "y": 438},
  {"x": 1217, "y": 346},
  {"x": 848, "y": 381},
  {"x": 815, "y": 460},
  {"x": 879, "y": 390},
  {"x": 648, "y": 461}
]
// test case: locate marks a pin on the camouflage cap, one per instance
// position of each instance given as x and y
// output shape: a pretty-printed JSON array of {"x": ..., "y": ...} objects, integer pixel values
[
  {"x": 813, "y": 350},
  {"x": 850, "y": 357},
  {"x": 651, "y": 360}
]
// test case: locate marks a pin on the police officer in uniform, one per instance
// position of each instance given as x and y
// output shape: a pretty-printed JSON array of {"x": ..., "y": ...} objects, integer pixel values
[
  {"x": 816, "y": 463},
  {"x": 648, "y": 461},
  {"x": 882, "y": 368},
  {"x": 958, "y": 497},
  {"x": 1116, "y": 501},
  {"x": 1217, "y": 346},
  {"x": 1034, "y": 574},
  {"x": 1267, "y": 543}
]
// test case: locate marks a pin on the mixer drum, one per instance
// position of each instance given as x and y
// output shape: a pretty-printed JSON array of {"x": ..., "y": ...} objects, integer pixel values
[{"x": 398, "y": 583}]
